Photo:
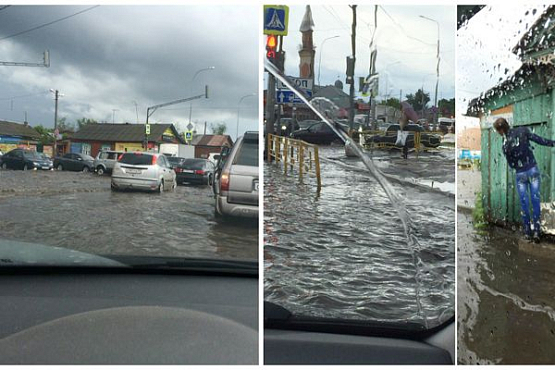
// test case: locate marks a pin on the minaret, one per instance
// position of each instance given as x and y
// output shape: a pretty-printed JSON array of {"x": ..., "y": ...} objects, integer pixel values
[{"x": 306, "y": 54}]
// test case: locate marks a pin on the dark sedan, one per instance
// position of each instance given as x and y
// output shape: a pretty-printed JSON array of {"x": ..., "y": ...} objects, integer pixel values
[
  {"x": 74, "y": 162},
  {"x": 390, "y": 137},
  {"x": 22, "y": 159},
  {"x": 317, "y": 133},
  {"x": 194, "y": 170},
  {"x": 175, "y": 161}
]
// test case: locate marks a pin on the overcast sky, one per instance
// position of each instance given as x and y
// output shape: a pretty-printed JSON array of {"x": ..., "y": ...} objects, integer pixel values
[
  {"x": 111, "y": 56},
  {"x": 485, "y": 56},
  {"x": 402, "y": 36}
]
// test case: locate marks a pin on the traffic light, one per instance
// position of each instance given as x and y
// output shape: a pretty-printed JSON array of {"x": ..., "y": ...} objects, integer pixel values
[{"x": 271, "y": 45}]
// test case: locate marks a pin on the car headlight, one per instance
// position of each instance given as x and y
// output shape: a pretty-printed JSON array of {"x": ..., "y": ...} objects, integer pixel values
[{"x": 36, "y": 163}]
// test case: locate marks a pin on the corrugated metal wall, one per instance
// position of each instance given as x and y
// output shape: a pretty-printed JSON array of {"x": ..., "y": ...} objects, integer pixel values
[{"x": 501, "y": 202}]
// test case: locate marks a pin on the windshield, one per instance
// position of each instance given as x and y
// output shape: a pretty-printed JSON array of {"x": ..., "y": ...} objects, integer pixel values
[
  {"x": 32, "y": 155},
  {"x": 506, "y": 217},
  {"x": 248, "y": 154},
  {"x": 175, "y": 160},
  {"x": 194, "y": 164},
  {"x": 375, "y": 241},
  {"x": 103, "y": 87}
]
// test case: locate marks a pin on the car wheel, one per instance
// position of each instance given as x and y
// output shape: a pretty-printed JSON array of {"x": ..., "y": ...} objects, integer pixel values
[
  {"x": 4, "y": 166},
  {"x": 60, "y": 167},
  {"x": 174, "y": 185},
  {"x": 86, "y": 169},
  {"x": 161, "y": 187},
  {"x": 100, "y": 170}
]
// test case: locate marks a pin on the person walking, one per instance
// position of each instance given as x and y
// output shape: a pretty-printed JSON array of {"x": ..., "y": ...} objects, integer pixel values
[
  {"x": 519, "y": 155},
  {"x": 407, "y": 113}
]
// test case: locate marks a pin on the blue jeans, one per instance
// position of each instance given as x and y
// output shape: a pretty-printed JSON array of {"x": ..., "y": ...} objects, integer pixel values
[{"x": 528, "y": 185}]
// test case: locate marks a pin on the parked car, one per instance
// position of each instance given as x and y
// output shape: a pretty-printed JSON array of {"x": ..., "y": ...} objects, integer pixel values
[
  {"x": 317, "y": 133},
  {"x": 23, "y": 159},
  {"x": 237, "y": 182},
  {"x": 175, "y": 161},
  {"x": 105, "y": 161},
  {"x": 143, "y": 171},
  {"x": 427, "y": 139},
  {"x": 74, "y": 162},
  {"x": 195, "y": 170}
]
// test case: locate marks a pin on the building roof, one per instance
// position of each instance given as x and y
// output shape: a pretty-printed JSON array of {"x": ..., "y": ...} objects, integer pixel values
[
  {"x": 212, "y": 140},
  {"x": 307, "y": 23},
  {"x": 124, "y": 132},
  {"x": 18, "y": 129},
  {"x": 539, "y": 37},
  {"x": 337, "y": 96}
]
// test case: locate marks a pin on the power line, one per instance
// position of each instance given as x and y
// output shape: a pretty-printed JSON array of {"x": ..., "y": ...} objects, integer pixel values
[
  {"x": 403, "y": 30},
  {"x": 49, "y": 23},
  {"x": 24, "y": 96}
]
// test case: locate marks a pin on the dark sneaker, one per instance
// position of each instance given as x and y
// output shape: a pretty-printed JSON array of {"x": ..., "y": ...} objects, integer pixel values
[
  {"x": 528, "y": 237},
  {"x": 536, "y": 237}
]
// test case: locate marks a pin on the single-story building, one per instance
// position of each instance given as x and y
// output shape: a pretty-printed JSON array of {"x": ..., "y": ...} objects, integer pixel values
[
  {"x": 207, "y": 144},
  {"x": 527, "y": 98},
  {"x": 17, "y": 135},
  {"x": 92, "y": 138}
]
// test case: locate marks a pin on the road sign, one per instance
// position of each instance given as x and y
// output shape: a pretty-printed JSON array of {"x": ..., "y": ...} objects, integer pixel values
[
  {"x": 190, "y": 126},
  {"x": 189, "y": 135},
  {"x": 147, "y": 129},
  {"x": 276, "y": 18},
  {"x": 302, "y": 83},
  {"x": 288, "y": 96}
]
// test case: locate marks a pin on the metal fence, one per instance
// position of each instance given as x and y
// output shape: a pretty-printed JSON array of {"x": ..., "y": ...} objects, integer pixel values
[{"x": 296, "y": 156}]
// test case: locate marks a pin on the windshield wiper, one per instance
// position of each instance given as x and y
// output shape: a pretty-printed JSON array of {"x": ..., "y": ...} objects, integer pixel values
[{"x": 236, "y": 267}]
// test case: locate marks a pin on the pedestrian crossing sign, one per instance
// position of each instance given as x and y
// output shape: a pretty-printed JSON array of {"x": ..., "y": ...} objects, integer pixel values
[
  {"x": 147, "y": 129},
  {"x": 276, "y": 18},
  {"x": 189, "y": 135}
]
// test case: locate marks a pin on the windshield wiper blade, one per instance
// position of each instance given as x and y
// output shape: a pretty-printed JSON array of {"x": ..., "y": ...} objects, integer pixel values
[{"x": 190, "y": 264}]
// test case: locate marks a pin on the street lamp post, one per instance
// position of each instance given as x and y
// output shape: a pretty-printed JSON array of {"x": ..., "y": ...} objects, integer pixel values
[
  {"x": 191, "y": 88},
  {"x": 320, "y": 57},
  {"x": 238, "y": 107},
  {"x": 437, "y": 70}
]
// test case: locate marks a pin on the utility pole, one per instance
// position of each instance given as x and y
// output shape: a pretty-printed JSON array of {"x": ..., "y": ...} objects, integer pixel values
[
  {"x": 351, "y": 69},
  {"x": 56, "y": 96}
]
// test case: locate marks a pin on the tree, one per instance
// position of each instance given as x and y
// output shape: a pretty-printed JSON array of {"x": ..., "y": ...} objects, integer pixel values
[
  {"x": 392, "y": 102},
  {"x": 63, "y": 125},
  {"x": 46, "y": 135},
  {"x": 418, "y": 100},
  {"x": 84, "y": 121},
  {"x": 218, "y": 129},
  {"x": 446, "y": 107}
]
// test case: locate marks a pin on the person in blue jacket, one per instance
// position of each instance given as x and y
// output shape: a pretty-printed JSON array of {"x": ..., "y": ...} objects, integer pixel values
[{"x": 517, "y": 150}]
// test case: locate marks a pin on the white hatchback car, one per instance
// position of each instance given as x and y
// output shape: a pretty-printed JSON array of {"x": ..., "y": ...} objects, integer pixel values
[{"x": 144, "y": 171}]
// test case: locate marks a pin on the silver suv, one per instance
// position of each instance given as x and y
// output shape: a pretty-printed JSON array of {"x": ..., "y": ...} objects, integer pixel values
[
  {"x": 105, "y": 161},
  {"x": 145, "y": 171},
  {"x": 236, "y": 182}
]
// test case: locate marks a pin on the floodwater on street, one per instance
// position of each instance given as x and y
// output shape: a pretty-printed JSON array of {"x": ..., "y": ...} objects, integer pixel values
[
  {"x": 344, "y": 254},
  {"x": 506, "y": 305},
  {"x": 78, "y": 211}
]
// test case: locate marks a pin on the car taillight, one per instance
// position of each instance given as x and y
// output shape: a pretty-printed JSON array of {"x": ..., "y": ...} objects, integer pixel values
[
  {"x": 224, "y": 181},
  {"x": 154, "y": 160},
  {"x": 177, "y": 169},
  {"x": 199, "y": 172},
  {"x": 119, "y": 157}
]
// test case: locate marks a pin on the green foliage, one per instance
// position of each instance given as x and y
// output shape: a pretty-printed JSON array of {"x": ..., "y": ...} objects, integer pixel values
[
  {"x": 84, "y": 121},
  {"x": 63, "y": 125},
  {"x": 219, "y": 128},
  {"x": 392, "y": 102},
  {"x": 478, "y": 214},
  {"x": 418, "y": 100},
  {"x": 46, "y": 134},
  {"x": 446, "y": 107}
]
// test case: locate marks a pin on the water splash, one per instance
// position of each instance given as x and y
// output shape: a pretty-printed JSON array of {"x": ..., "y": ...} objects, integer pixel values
[{"x": 396, "y": 200}]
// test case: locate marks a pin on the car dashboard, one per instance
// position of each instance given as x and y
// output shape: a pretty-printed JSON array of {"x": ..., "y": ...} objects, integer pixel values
[{"x": 65, "y": 316}]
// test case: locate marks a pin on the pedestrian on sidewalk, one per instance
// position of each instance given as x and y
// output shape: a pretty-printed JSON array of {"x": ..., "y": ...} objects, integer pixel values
[{"x": 519, "y": 155}]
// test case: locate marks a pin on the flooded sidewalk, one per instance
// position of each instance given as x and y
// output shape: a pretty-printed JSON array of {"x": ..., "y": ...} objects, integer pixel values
[
  {"x": 506, "y": 304},
  {"x": 343, "y": 253}
]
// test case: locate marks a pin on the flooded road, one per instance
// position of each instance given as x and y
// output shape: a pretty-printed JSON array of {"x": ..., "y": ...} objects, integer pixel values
[
  {"x": 344, "y": 254},
  {"x": 78, "y": 211},
  {"x": 506, "y": 300}
]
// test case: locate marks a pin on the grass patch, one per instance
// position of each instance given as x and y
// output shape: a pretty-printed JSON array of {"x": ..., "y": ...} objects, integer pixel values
[{"x": 478, "y": 215}]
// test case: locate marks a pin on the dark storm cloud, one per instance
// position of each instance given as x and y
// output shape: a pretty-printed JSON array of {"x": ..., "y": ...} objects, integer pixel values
[{"x": 113, "y": 55}]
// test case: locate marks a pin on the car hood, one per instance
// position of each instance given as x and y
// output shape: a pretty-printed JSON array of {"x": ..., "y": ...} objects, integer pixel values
[{"x": 16, "y": 254}]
